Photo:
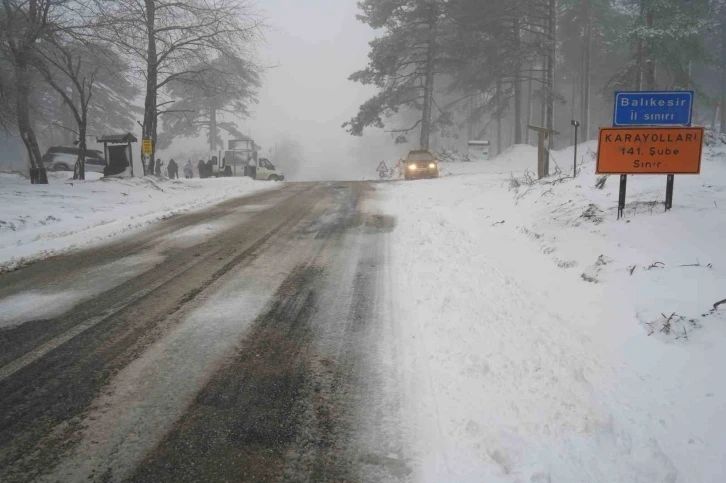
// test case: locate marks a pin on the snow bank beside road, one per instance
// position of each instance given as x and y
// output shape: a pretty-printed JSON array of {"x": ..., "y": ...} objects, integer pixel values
[
  {"x": 43, "y": 220},
  {"x": 515, "y": 159},
  {"x": 542, "y": 342}
]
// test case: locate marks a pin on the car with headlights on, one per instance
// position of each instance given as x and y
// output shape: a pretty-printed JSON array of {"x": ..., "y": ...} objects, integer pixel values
[{"x": 421, "y": 164}]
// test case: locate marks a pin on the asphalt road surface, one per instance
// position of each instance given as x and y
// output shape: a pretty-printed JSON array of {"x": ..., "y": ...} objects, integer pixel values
[{"x": 240, "y": 343}]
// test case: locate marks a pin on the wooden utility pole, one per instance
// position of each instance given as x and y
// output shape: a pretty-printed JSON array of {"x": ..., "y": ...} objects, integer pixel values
[{"x": 543, "y": 134}]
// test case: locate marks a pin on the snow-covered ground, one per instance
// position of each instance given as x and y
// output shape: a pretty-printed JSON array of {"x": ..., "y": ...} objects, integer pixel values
[
  {"x": 37, "y": 221},
  {"x": 543, "y": 340}
]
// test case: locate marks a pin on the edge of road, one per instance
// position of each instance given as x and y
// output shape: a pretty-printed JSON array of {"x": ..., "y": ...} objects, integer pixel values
[{"x": 137, "y": 224}]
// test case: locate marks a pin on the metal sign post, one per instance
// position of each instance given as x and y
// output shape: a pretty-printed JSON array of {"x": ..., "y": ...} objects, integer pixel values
[
  {"x": 649, "y": 150},
  {"x": 623, "y": 192},
  {"x": 654, "y": 109},
  {"x": 669, "y": 192}
]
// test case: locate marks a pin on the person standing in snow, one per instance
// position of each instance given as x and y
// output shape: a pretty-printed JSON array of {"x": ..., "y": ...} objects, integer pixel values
[
  {"x": 159, "y": 164},
  {"x": 189, "y": 170},
  {"x": 173, "y": 169}
]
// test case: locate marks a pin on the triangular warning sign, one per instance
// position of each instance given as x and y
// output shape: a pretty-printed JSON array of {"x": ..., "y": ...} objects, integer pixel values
[{"x": 382, "y": 168}]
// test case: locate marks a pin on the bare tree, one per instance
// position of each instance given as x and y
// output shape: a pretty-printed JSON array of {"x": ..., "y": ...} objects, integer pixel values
[
  {"x": 76, "y": 69},
  {"x": 171, "y": 41},
  {"x": 22, "y": 24}
]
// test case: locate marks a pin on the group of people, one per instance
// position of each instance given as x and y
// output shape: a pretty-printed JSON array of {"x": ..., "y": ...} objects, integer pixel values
[
  {"x": 172, "y": 170},
  {"x": 206, "y": 170}
]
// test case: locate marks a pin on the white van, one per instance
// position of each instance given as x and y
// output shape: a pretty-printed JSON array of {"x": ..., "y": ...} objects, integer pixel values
[
  {"x": 267, "y": 171},
  {"x": 233, "y": 163}
]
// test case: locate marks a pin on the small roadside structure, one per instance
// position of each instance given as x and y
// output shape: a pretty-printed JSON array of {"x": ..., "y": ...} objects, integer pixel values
[
  {"x": 478, "y": 150},
  {"x": 119, "y": 155}
]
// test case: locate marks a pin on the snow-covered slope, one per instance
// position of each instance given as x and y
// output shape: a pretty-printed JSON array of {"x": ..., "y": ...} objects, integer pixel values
[
  {"x": 542, "y": 340},
  {"x": 37, "y": 221}
]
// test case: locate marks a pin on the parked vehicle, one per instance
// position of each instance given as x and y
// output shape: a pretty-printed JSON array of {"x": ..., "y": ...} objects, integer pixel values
[
  {"x": 267, "y": 171},
  {"x": 61, "y": 158},
  {"x": 421, "y": 164},
  {"x": 233, "y": 163}
]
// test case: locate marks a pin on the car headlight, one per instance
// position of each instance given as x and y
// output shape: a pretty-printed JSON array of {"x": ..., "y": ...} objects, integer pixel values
[
  {"x": 412, "y": 167},
  {"x": 432, "y": 165}
]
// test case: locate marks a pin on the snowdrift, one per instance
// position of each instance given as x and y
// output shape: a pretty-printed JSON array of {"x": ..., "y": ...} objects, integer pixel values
[
  {"x": 544, "y": 340},
  {"x": 37, "y": 221}
]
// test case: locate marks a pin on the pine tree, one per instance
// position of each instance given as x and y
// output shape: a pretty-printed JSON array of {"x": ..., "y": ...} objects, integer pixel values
[
  {"x": 666, "y": 39},
  {"x": 404, "y": 63},
  {"x": 498, "y": 47},
  {"x": 588, "y": 30},
  {"x": 224, "y": 86}
]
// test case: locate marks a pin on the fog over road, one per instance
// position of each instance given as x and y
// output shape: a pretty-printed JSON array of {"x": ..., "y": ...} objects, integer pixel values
[{"x": 245, "y": 342}]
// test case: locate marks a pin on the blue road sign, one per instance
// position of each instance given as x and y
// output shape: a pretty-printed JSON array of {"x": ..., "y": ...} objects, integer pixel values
[{"x": 653, "y": 108}]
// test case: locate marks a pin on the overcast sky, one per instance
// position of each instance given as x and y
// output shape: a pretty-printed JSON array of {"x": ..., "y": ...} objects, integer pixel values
[{"x": 316, "y": 44}]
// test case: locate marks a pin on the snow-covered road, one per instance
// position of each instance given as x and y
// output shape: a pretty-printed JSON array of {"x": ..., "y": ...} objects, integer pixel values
[
  {"x": 478, "y": 327},
  {"x": 234, "y": 343}
]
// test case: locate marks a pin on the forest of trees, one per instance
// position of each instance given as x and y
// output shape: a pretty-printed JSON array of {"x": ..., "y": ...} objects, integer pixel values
[
  {"x": 79, "y": 66},
  {"x": 486, "y": 69}
]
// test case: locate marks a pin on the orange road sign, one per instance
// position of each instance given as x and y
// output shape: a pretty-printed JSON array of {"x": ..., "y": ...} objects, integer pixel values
[{"x": 650, "y": 150}]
